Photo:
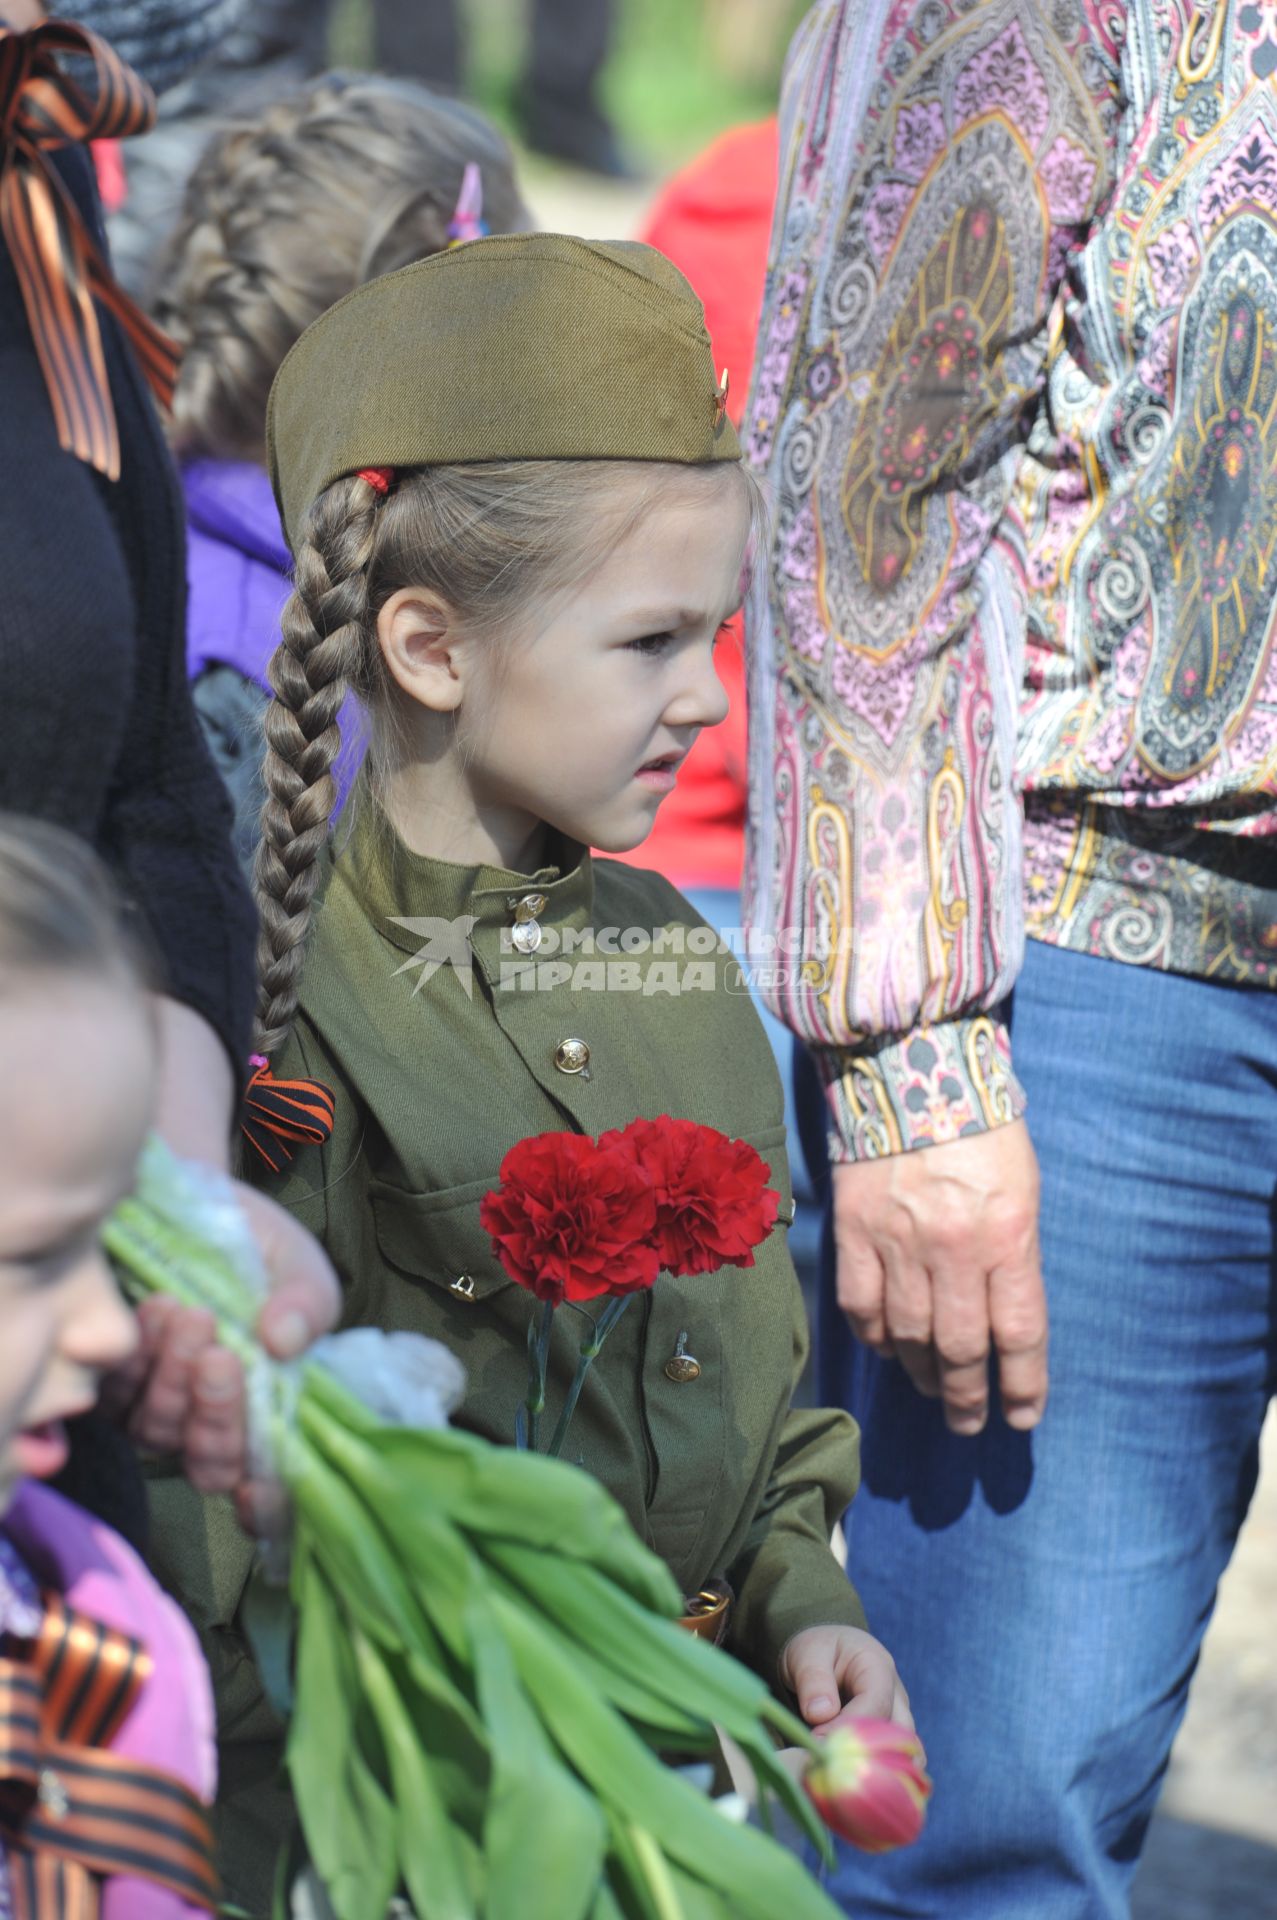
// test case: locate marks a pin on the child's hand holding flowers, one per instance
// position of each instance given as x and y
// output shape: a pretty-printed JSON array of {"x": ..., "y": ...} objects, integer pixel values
[{"x": 838, "y": 1674}]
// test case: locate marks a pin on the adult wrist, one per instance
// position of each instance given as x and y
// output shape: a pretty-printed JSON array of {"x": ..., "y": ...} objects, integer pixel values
[{"x": 919, "y": 1089}]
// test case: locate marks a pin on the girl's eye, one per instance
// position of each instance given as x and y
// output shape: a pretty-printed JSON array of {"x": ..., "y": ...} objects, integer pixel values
[{"x": 652, "y": 645}]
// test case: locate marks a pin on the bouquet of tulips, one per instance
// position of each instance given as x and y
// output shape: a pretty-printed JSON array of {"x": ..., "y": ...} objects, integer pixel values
[{"x": 486, "y": 1664}]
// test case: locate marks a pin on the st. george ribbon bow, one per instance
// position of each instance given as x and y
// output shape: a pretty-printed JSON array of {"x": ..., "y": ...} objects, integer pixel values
[
  {"x": 278, "y": 1115},
  {"x": 72, "y": 1812},
  {"x": 56, "y": 258}
]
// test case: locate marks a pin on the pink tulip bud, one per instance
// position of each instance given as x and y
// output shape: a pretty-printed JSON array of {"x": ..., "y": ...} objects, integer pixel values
[{"x": 869, "y": 1785}]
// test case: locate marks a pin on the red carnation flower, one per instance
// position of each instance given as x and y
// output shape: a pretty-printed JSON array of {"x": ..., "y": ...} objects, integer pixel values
[
  {"x": 713, "y": 1203},
  {"x": 573, "y": 1219}
]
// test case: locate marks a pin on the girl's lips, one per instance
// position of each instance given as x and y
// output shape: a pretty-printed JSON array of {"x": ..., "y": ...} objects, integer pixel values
[
  {"x": 41, "y": 1451},
  {"x": 662, "y": 774},
  {"x": 660, "y": 779}
]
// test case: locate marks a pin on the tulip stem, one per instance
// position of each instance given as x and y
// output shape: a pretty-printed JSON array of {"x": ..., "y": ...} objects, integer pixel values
[
  {"x": 656, "y": 1874},
  {"x": 599, "y": 1331},
  {"x": 539, "y": 1332}
]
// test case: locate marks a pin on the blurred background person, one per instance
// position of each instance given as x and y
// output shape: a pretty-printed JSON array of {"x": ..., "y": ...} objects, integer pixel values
[
  {"x": 277, "y": 44},
  {"x": 557, "y": 103},
  {"x": 285, "y": 212}
]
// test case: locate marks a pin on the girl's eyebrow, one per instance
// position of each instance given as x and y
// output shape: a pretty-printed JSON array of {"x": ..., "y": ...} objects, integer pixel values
[
  {"x": 656, "y": 619},
  {"x": 669, "y": 619}
]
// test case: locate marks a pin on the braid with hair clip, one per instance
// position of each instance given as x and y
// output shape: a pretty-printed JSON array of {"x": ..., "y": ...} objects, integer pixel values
[{"x": 322, "y": 656}]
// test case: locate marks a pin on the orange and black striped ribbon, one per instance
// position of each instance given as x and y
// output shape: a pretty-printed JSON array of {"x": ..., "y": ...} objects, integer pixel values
[
  {"x": 71, "y": 1813},
  {"x": 56, "y": 258},
  {"x": 278, "y": 1115}
]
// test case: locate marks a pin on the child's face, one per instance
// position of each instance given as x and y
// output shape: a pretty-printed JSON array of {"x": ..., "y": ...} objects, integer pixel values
[
  {"x": 582, "y": 721},
  {"x": 79, "y": 1066}
]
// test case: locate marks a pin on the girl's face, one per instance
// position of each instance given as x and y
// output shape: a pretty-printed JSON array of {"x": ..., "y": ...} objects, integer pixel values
[
  {"x": 80, "y": 1064},
  {"x": 582, "y": 722}
]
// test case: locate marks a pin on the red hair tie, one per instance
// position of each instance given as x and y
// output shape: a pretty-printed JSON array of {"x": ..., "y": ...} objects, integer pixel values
[
  {"x": 378, "y": 477},
  {"x": 281, "y": 1114}
]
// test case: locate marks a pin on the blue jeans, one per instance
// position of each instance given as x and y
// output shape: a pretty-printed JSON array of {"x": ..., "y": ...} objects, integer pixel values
[{"x": 1045, "y": 1595}]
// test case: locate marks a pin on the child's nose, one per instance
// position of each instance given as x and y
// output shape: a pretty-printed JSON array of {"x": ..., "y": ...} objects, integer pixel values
[
  {"x": 701, "y": 701},
  {"x": 100, "y": 1331}
]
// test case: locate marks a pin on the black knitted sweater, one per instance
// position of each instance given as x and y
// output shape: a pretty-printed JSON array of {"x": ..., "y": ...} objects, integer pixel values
[{"x": 97, "y": 730}]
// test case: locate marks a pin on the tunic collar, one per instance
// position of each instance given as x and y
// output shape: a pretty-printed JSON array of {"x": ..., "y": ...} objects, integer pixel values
[{"x": 393, "y": 885}]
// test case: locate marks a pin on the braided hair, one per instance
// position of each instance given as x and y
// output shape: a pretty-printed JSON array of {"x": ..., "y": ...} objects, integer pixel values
[
  {"x": 347, "y": 179},
  {"x": 326, "y": 651}
]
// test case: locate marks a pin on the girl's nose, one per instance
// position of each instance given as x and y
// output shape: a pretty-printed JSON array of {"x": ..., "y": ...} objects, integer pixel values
[
  {"x": 701, "y": 699},
  {"x": 100, "y": 1331}
]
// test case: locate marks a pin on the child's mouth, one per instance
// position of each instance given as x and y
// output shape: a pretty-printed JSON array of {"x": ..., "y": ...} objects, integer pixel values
[
  {"x": 661, "y": 774},
  {"x": 42, "y": 1451}
]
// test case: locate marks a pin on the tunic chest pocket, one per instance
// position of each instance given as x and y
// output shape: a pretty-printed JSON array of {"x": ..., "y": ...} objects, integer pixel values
[{"x": 437, "y": 1237}]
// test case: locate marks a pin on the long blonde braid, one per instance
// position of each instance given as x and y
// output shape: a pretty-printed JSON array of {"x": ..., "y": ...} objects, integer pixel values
[{"x": 325, "y": 653}]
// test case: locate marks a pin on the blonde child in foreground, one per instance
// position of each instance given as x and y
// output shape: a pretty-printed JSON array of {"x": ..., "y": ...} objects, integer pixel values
[
  {"x": 79, "y": 1047},
  {"x": 519, "y": 520}
]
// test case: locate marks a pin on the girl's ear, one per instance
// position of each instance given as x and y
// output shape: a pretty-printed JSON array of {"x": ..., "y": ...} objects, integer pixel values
[{"x": 426, "y": 653}]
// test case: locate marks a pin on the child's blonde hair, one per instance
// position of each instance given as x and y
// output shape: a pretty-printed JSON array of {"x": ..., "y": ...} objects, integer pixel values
[
  {"x": 492, "y": 540},
  {"x": 347, "y": 179},
  {"x": 59, "y": 911}
]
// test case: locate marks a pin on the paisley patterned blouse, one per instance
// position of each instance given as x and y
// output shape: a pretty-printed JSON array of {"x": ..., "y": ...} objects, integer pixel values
[{"x": 1012, "y": 658}]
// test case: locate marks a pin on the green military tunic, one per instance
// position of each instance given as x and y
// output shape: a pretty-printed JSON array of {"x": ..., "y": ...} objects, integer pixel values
[{"x": 446, "y": 1041}]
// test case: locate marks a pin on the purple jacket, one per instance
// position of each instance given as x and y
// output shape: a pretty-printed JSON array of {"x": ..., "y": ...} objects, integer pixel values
[
  {"x": 237, "y": 567},
  {"x": 237, "y": 570}
]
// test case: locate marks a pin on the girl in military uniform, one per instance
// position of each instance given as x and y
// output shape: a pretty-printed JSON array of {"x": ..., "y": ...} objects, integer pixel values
[{"x": 519, "y": 518}]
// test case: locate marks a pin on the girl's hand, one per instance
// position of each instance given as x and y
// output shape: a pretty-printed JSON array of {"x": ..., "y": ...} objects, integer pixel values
[{"x": 843, "y": 1673}]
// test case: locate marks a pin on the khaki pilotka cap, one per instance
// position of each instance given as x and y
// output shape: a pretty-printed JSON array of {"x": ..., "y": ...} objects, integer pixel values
[{"x": 525, "y": 346}]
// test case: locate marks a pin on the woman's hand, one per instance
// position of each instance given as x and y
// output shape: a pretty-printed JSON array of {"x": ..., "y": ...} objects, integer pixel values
[
  {"x": 938, "y": 1265},
  {"x": 183, "y": 1393},
  {"x": 843, "y": 1673}
]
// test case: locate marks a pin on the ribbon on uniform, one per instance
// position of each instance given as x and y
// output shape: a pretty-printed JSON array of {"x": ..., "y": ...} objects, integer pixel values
[
  {"x": 59, "y": 267},
  {"x": 71, "y": 1812},
  {"x": 281, "y": 1114}
]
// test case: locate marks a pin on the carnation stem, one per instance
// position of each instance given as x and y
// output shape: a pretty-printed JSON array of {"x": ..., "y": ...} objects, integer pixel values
[
  {"x": 599, "y": 1331},
  {"x": 538, "y": 1353}
]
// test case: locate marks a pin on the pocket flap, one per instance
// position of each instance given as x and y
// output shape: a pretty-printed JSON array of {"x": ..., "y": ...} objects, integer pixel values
[{"x": 437, "y": 1237}]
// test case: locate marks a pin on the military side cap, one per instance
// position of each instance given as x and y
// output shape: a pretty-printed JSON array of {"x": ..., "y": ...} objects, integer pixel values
[{"x": 528, "y": 346}]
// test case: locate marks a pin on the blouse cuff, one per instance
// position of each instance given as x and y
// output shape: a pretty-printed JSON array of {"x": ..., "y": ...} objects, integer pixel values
[{"x": 921, "y": 1089}]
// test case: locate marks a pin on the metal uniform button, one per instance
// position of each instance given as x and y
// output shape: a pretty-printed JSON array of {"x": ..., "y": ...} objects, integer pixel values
[
  {"x": 571, "y": 1056},
  {"x": 682, "y": 1366},
  {"x": 527, "y": 931},
  {"x": 463, "y": 1287}
]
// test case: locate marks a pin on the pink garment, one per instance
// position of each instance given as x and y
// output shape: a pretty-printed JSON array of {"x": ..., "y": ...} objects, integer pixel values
[{"x": 171, "y": 1726}]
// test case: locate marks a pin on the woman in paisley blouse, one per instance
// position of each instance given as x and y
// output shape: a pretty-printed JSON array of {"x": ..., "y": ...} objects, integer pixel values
[{"x": 1014, "y": 673}]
